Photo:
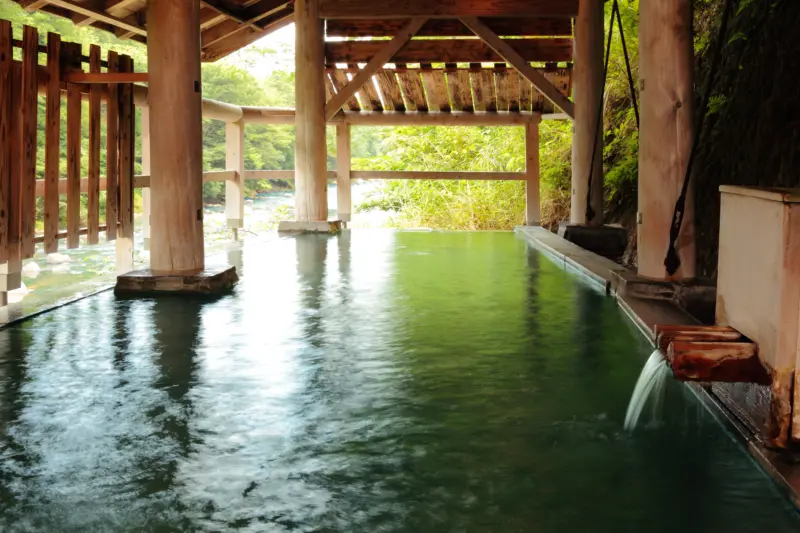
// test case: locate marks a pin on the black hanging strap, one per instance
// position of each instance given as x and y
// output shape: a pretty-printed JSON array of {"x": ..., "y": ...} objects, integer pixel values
[
  {"x": 672, "y": 262},
  {"x": 627, "y": 62}
]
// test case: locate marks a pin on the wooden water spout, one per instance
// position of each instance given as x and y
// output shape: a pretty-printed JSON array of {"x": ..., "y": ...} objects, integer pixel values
[{"x": 711, "y": 353}]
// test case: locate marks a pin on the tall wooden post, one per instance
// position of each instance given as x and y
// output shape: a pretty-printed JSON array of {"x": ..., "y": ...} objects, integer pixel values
[
  {"x": 234, "y": 189},
  {"x": 311, "y": 200},
  {"x": 587, "y": 93},
  {"x": 343, "y": 192},
  {"x": 533, "y": 210},
  {"x": 146, "y": 172},
  {"x": 176, "y": 175},
  {"x": 665, "y": 137}
]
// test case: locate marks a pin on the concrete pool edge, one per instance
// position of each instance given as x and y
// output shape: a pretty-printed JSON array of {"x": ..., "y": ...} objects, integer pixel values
[{"x": 602, "y": 272}]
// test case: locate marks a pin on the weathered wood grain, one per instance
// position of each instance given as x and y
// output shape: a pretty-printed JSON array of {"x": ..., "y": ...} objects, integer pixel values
[{"x": 29, "y": 104}]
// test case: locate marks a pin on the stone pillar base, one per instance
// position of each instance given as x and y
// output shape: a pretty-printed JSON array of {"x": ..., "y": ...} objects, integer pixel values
[
  {"x": 210, "y": 282},
  {"x": 310, "y": 226}
]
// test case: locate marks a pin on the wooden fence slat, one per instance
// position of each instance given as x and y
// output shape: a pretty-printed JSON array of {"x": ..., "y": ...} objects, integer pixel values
[
  {"x": 52, "y": 152},
  {"x": 501, "y": 86},
  {"x": 6, "y": 62},
  {"x": 73, "y": 159},
  {"x": 340, "y": 81},
  {"x": 112, "y": 147},
  {"x": 411, "y": 84},
  {"x": 29, "y": 104},
  {"x": 93, "y": 204},
  {"x": 392, "y": 96},
  {"x": 126, "y": 140}
]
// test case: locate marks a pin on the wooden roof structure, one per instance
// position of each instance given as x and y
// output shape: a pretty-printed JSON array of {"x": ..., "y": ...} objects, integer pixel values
[{"x": 442, "y": 66}]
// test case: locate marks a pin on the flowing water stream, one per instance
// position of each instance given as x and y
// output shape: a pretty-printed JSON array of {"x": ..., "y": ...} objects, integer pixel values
[{"x": 649, "y": 387}]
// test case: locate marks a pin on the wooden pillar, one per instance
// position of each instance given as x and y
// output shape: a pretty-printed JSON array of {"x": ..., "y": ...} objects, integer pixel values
[
  {"x": 176, "y": 173},
  {"x": 533, "y": 210},
  {"x": 587, "y": 93},
  {"x": 343, "y": 192},
  {"x": 234, "y": 189},
  {"x": 665, "y": 137},
  {"x": 311, "y": 199},
  {"x": 146, "y": 172}
]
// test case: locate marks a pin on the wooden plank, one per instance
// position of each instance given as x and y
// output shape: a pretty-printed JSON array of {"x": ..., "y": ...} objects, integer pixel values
[
  {"x": 93, "y": 196},
  {"x": 29, "y": 104},
  {"x": 73, "y": 161},
  {"x": 439, "y": 119},
  {"x": 104, "y": 78},
  {"x": 512, "y": 91},
  {"x": 423, "y": 175},
  {"x": 242, "y": 38},
  {"x": 340, "y": 80},
  {"x": 382, "y": 54},
  {"x": 112, "y": 151},
  {"x": 358, "y": 9},
  {"x": 731, "y": 362},
  {"x": 411, "y": 85},
  {"x": 525, "y": 93},
  {"x": 501, "y": 86},
  {"x": 343, "y": 192},
  {"x": 435, "y": 89},
  {"x": 15, "y": 138},
  {"x": 478, "y": 90},
  {"x": 392, "y": 97},
  {"x": 666, "y": 334},
  {"x": 520, "y": 62},
  {"x": 516, "y": 26},
  {"x": 489, "y": 93},
  {"x": 360, "y": 94},
  {"x": 451, "y": 51},
  {"x": 126, "y": 141},
  {"x": 329, "y": 90},
  {"x": 458, "y": 86},
  {"x": 52, "y": 153},
  {"x": 6, "y": 155}
]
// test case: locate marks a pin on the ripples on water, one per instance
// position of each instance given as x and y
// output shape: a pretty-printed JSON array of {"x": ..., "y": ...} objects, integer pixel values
[{"x": 377, "y": 381}]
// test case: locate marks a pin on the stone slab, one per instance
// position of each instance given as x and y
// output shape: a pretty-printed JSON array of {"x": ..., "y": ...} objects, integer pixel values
[
  {"x": 310, "y": 226},
  {"x": 210, "y": 282},
  {"x": 608, "y": 241}
]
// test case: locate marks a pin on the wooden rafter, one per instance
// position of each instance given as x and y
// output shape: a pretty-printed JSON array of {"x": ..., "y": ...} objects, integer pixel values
[
  {"x": 515, "y": 26},
  {"x": 512, "y": 57},
  {"x": 376, "y": 9},
  {"x": 240, "y": 39},
  {"x": 378, "y": 61},
  {"x": 247, "y": 19},
  {"x": 99, "y": 16}
]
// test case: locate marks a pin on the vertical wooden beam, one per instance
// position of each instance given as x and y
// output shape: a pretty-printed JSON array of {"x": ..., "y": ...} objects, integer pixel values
[
  {"x": 73, "y": 158},
  {"x": 234, "y": 189},
  {"x": 665, "y": 137},
  {"x": 176, "y": 177},
  {"x": 533, "y": 210},
  {"x": 343, "y": 192},
  {"x": 146, "y": 171},
  {"x": 588, "y": 95},
  {"x": 30, "y": 61},
  {"x": 93, "y": 204},
  {"x": 6, "y": 156},
  {"x": 52, "y": 152},
  {"x": 112, "y": 151},
  {"x": 311, "y": 199},
  {"x": 127, "y": 126}
]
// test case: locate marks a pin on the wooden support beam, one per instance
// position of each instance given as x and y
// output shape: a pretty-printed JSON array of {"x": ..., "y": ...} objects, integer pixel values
[
  {"x": 514, "y": 26},
  {"x": 731, "y": 362},
  {"x": 52, "y": 153},
  {"x": 239, "y": 39},
  {"x": 146, "y": 204},
  {"x": 99, "y": 15},
  {"x": 33, "y": 5},
  {"x": 73, "y": 163},
  {"x": 343, "y": 192},
  {"x": 381, "y": 57},
  {"x": 358, "y": 9},
  {"x": 440, "y": 119},
  {"x": 239, "y": 21},
  {"x": 93, "y": 196},
  {"x": 451, "y": 51},
  {"x": 533, "y": 207},
  {"x": 126, "y": 141},
  {"x": 234, "y": 160},
  {"x": 511, "y": 56},
  {"x": 117, "y": 8},
  {"x": 112, "y": 150},
  {"x": 105, "y": 77},
  {"x": 665, "y": 334},
  {"x": 30, "y": 59},
  {"x": 6, "y": 134}
]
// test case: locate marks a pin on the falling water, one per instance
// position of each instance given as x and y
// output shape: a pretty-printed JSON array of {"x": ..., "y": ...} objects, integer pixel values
[{"x": 650, "y": 385}]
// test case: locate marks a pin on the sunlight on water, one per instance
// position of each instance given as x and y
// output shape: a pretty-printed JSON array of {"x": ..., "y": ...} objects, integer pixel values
[{"x": 649, "y": 386}]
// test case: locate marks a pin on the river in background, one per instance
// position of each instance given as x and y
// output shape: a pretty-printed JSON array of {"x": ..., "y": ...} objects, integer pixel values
[{"x": 60, "y": 277}]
